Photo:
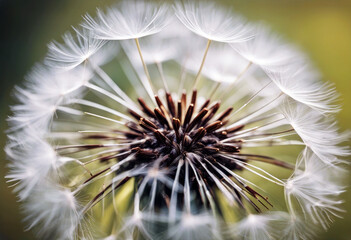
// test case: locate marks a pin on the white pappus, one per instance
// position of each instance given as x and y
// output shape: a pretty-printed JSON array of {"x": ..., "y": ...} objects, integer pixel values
[{"x": 134, "y": 128}]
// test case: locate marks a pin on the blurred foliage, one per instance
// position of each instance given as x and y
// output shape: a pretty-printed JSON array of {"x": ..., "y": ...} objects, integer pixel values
[{"x": 321, "y": 28}]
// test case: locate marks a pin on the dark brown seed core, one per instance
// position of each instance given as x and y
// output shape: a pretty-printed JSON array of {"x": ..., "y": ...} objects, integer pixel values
[
  {"x": 173, "y": 130},
  {"x": 179, "y": 129}
]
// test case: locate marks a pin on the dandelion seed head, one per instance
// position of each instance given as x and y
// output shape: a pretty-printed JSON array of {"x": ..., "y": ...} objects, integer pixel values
[{"x": 208, "y": 120}]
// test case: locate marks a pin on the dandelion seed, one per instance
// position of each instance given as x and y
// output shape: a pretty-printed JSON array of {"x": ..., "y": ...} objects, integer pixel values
[
  {"x": 128, "y": 20},
  {"x": 74, "y": 51},
  {"x": 256, "y": 227},
  {"x": 266, "y": 50},
  {"x": 315, "y": 194},
  {"x": 211, "y": 22},
  {"x": 202, "y": 142}
]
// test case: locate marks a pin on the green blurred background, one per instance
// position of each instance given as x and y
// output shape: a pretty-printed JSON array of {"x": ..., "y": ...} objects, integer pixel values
[{"x": 322, "y": 28}]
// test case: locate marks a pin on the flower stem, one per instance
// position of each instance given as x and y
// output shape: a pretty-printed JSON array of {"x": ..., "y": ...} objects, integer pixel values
[
  {"x": 197, "y": 78},
  {"x": 160, "y": 69},
  {"x": 225, "y": 94},
  {"x": 218, "y": 84},
  {"x": 144, "y": 65}
]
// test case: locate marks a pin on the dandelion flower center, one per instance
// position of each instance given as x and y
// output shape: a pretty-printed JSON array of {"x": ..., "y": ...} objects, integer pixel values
[{"x": 154, "y": 121}]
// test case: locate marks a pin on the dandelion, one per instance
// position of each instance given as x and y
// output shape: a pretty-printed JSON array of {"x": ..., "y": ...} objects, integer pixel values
[
  {"x": 154, "y": 121},
  {"x": 74, "y": 51}
]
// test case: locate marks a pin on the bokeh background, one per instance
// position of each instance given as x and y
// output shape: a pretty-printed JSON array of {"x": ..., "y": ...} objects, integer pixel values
[{"x": 322, "y": 28}]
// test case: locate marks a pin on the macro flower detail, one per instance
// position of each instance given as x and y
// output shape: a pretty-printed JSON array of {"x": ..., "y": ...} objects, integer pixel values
[
  {"x": 154, "y": 121},
  {"x": 74, "y": 51},
  {"x": 206, "y": 20},
  {"x": 129, "y": 20}
]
